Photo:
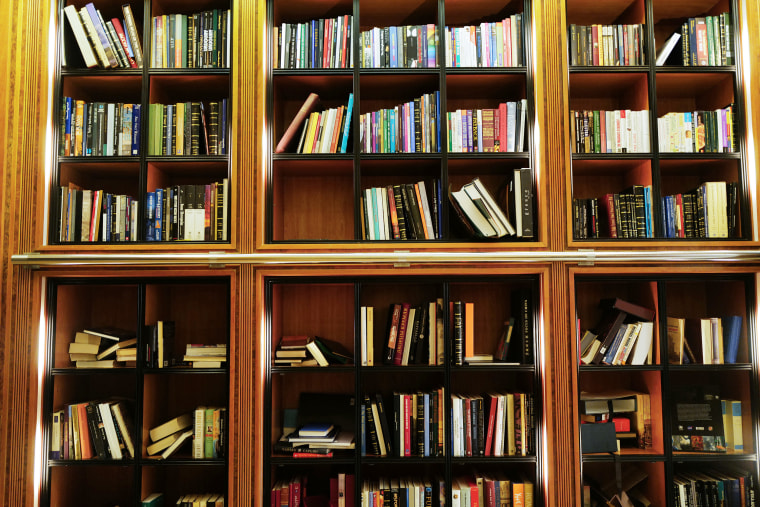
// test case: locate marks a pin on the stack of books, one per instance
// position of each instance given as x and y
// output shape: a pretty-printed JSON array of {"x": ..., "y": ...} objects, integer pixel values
[
  {"x": 600, "y": 131},
  {"x": 107, "y": 44},
  {"x": 410, "y": 46},
  {"x": 206, "y": 499},
  {"x": 412, "y": 127},
  {"x": 92, "y": 430},
  {"x": 614, "y": 45},
  {"x": 697, "y": 131},
  {"x": 708, "y": 211},
  {"x": 166, "y": 438},
  {"x": 310, "y": 351},
  {"x": 316, "y": 440},
  {"x": 610, "y": 418},
  {"x": 488, "y": 130},
  {"x": 209, "y": 425},
  {"x": 206, "y": 356},
  {"x": 103, "y": 348},
  {"x": 623, "y": 335}
]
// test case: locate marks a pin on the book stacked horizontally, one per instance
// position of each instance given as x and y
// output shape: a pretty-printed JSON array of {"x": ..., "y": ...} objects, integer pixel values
[
  {"x": 317, "y": 439},
  {"x": 166, "y": 438},
  {"x": 310, "y": 351},
  {"x": 103, "y": 348},
  {"x": 206, "y": 356},
  {"x": 92, "y": 430},
  {"x": 108, "y": 44}
]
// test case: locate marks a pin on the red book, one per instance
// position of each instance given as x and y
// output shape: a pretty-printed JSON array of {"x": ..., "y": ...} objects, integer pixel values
[
  {"x": 490, "y": 493},
  {"x": 394, "y": 321},
  {"x": 400, "y": 338},
  {"x": 602, "y": 132},
  {"x": 312, "y": 455},
  {"x": 349, "y": 490},
  {"x": 290, "y": 133},
  {"x": 503, "y": 127},
  {"x": 85, "y": 440},
  {"x": 407, "y": 429},
  {"x": 595, "y": 43},
  {"x": 274, "y": 498},
  {"x": 344, "y": 45},
  {"x": 468, "y": 427},
  {"x": 679, "y": 216},
  {"x": 702, "y": 58},
  {"x": 491, "y": 425},
  {"x": 608, "y": 204},
  {"x": 123, "y": 40}
]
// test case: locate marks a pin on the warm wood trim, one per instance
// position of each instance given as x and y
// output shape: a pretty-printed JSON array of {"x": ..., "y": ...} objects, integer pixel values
[
  {"x": 245, "y": 433},
  {"x": 252, "y": 133}
]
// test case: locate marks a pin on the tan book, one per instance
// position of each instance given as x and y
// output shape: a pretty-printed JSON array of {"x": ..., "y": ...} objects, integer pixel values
[
  {"x": 83, "y": 348},
  {"x": 91, "y": 339},
  {"x": 79, "y": 356},
  {"x": 213, "y": 358},
  {"x": 126, "y": 355},
  {"x": 181, "y": 439},
  {"x": 105, "y": 363},
  {"x": 171, "y": 426},
  {"x": 163, "y": 443},
  {"x": 207, "y": 364},
  {"x": 116, "y": 346}
]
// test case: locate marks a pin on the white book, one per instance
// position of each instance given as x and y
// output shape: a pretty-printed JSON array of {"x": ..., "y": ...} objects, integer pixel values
[
  {"x": 426, "y": 210},
  {"x": 370, "y": 336},
  {"x": 110, "y": 117},
  {"x": 479, "y": 221},
  {"x": 81, "y": 36},
  {"x": 199, "y": 428},
  {"x": 480, "y": 130},
  {"x": 108, "y": 425},
  {"x": 387, "y": 227},
  {"x": 363, "y": 334},
  {"x": 643, "y": 344},
  {"x": 456, "y": 423},
  {"x": 493, "y": 207},
  {"x": 97, "y": 44},
  {"x": 408, "y": 338}
]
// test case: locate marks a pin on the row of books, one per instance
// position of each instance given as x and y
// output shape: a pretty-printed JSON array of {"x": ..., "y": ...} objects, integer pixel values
[
  {"x": 624, "y": 215},
  {"x": 292, "y": 492},
  {"x": 707, "y": 340},
  {"x": 709, "y": 211},
  {"x": 194, "y": 500},
  {"x": 205, "y": 427},
  {"x": 98, "y": 129},
  {"x": 619, "y": 131},
  {"x": 487, "y": 130},
  {"x": 607, "y": 45},
  {"x": 494, "y": 490},
  {"x": 327, "y": 131},
  {"x": 407, "y": 491},
  {"x": 188, "y": 212},
  {"x": 412, "y": 127},
  {"x": 94, "y": 215},
  {"x": 90, "y": 350},
  {"x": 496, "y": 424},
  {"x": 415, "y": 425},
  {"x": 92, "y": 430},
  {"x": 697, "y": 132},
  {"x": 414, "y": 334},
  {"x": 613, "y": 335},
  {"x": 615, "y": 418},
  {"x": 187, "y": 128},
  {"x": 410, "y": 46},
  {"x": 708, "y": 40},
  {"x": 107, "y": 44},
  {"x": 489, "y": 44},
  {"x": 316, "y": 44},
  {"x": 191, "y": 41},
  {"x": 408, "y": 211},
  {"x": 159, "y": 344},
  {"x": 303, "y": 350},
  {"x": 714, "y": 487}
]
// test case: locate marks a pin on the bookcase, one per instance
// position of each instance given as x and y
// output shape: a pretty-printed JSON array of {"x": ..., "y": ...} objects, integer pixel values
[
  {"x": 85, "y": 160},
  {"x": 149, "y": 396},
  {"x": 317, "y": 198},
  {"x": 657, "y": 464},
  {"x": 314, "y": 303},
  {"x": 655, "y": 182}
]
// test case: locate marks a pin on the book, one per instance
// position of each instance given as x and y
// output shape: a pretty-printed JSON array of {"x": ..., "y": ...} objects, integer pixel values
[
  {"x": 697, "y": 421},
  {"x": 80, "y": 35},
  {"x": 176, "y": 444},
  {"x": 116, "y": 347},
  {"x": 111, "y": 333},
  {"x": 171, "y": 426},
  {"x": 287, "y": 138}
]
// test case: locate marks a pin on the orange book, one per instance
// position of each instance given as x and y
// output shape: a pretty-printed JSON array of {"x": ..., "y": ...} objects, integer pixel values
[
  {"x": 469, "y": 330},
  {"x": 337, "y": 129},
  {"x": 85, "y": 441},
  {"x": 518, "y": 494}
]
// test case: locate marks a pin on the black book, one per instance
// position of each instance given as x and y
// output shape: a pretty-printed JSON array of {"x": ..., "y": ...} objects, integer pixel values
[
  {"x": 381, "y": 414},
  {"x": 524, "y": 314},
  {"x": 412, "y": 358},
  {"x": 373, "y": 445},
  {"x": 419, "y": 421},
  {"x": 412, "y": 210},
  {"x": 422, "y": 340},
  {"x": 457, "y": 342},
  {"x": 97, "y": 431}
]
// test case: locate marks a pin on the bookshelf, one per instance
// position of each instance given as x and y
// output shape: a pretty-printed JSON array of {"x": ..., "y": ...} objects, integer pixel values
[
  {"x": 320, "y": 198},
  {"x": 138, "y": 172},
  {"x": 667, "y": 167},
  {"x": 150, "y": 396},
  {"x": 656, "y": 468},
  {"x": 312, "y": 303}
]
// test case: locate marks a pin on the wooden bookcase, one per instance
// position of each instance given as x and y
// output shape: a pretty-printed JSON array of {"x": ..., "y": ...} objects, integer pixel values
[
  {"x": 658, "y": 89},
  {"x": 315, "y": 303},
  {"x": 316, "y": 198},
  {"x": 683, "y": 293},
  {"x": 152, "y": 395},
  {"x": 137, "y": 175}
]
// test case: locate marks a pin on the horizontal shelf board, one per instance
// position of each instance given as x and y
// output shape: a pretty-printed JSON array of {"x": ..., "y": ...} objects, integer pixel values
[
  {"x": 164, "y": 247},
  {"x": 97, "y": 73},
  {"x": 412, "y": 368},
  {"x": 612, "y": 156},
  {"x": 495, "y": 367},
  {"x": 97, "y": 160},
  {"x": 710, "y": 367},
  {"x": 118, "y": 370},
  {"x": 607, "y": 69},
  {"x": 497, "y": 155},
  {"x": 486, "y": 70},
  {"x": 189, "y": 72},
  {"x": 187, "y": 158},
  {"x": 701, "y": 69},
  {"x": 397, "y": 460},
  {"x": 604, "y": 367},
  {"x": 668, "y": 243},
  {"x": 712, "y": 456},
  {"x": 312, "y": 156},
  {"x": 185, "y": 371},
  {"x": 312, "y": 72},
  {"x": 171, "y": 461},
  {"x": 608, "y": 457},
  {"x": 399, "y": 70},
  {"x": 401, "y": 156},
  {"x": 699, "y": 156},
  {"x": 327, "y": 369},
  {"x": 290, "y": 461},
  {"x": 91, "y": 462},
  {"x": 460, "y": 460}
]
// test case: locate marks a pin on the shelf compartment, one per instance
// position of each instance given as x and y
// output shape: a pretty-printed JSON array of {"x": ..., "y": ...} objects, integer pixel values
[
  {"x": 192, "y": 172},
  {"x": 380, "y": 91},
  {"x": 175, "y": 480},
  {"x": 111, "y": 177},
  {"x": 382, "y": 13},
  {"x": 476, "y": 91},
  {"x": 103, "y": 88},
  {"x": 465, "y": 12},
  {"x": 685, "y": 175},
  {"x": 587, "y": 12},
  {"x": 73, "y": 389},
  {"x": 596, "y": 178},
  {"x": 171, "y": 89},
  {"x": 680, "y": 92},
  {"x": 609, "y": 91},
  {"x": 312, "y": 200},
  {"x": 161, "y": 7},
  {"x": 301, "y": 11},
  {"x": 647, "y": 478},
  {"x": 74, "y": 485},
  {"x": 668, "y": 12}
]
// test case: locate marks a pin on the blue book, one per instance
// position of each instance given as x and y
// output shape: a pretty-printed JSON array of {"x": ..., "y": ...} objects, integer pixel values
[
  {"x": 136, "y": 116},
  {"x": 392, "y": 117},
  {"x": 108, "y": 215},
  {"x": 732, "y": 326},
  {"x": 158, "y": 228},
  {"x": 412, "y": 133},
  {"x": 347, "y": 126},
  {"x": 150, "y": 213},
  {"x": 394, "y": 47},
  {"x": 316, "y": 430},
  {"x": 67, "y": 131},
  {"x": 648, "y": 211},
  {"x": 376, "y": 212},
  {"x": 612, "y": 350}
]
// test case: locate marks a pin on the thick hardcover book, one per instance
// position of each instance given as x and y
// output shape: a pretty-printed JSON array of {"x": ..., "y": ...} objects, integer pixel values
[
  {"x": 308, "y": 106},
  {"x": 458, "y": 333}
]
